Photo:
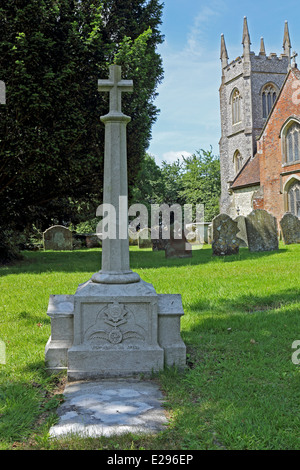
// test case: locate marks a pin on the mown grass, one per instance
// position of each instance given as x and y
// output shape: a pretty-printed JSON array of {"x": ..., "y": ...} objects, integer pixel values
[{"x": 240, "y": 390}]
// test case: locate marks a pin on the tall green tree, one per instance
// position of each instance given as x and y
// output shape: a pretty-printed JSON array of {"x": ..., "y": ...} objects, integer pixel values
[
  {"x": 158, "y": 184},
  {"x": 201, "y": 183},
  {"x": 50, "y": 135},
  {"x": 52, "y": 52},
  {"x": 149, "y": 185},
  {"x": 172, "y": 182}
]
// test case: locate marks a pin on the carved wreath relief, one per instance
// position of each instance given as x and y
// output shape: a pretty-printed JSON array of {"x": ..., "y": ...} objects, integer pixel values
[{"x": 115, "y": 324}]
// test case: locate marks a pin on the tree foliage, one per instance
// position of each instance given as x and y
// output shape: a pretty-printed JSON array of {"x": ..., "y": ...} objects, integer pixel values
[
  {"x": 52, "y": 52},
  {"x": 49, "y": 125},
  {"x": 201, "y": 183},
  {"x": 194, "y": 180}
]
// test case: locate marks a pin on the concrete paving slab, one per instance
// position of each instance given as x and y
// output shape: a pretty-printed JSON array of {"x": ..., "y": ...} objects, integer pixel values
[{"x": 110, "y": 407}]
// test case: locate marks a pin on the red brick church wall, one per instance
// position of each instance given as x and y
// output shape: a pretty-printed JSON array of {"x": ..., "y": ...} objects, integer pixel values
[{"x": 270, "y": 149}]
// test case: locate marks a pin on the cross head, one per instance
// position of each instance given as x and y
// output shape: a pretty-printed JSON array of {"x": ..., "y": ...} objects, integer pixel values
[
  {"x": 116, "y": 86},
  {"x": 294, "y": 58}
]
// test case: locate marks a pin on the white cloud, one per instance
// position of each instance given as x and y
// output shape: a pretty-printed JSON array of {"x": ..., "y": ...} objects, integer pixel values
[
  {"x": 173, "y": 155},
  {"x": 199, "y": 31}
]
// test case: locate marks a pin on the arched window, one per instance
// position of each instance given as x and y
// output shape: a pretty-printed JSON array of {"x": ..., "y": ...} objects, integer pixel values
[
  {"x": 236, "y": 107},
  {"x": 294, "y": 199},
  {"x": 292, "y": 151},
  {"x": 269, "y": 95},
  {"x": 238, "y": 161}
]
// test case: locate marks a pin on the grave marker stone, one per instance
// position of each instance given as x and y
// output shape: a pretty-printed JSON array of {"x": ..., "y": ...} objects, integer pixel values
[
  {"x": 242, "y": 231},
  {"x": 178, "y": 247},
  {"x": 290, "y": 228},
  {"x": 262, "y": 231},
  {"x": 224, "y": 233},
  {"x": 57, "y": 237}
]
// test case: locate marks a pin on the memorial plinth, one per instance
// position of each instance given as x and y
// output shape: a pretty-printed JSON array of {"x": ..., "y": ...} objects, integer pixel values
[{"x": 115, "y": 324}]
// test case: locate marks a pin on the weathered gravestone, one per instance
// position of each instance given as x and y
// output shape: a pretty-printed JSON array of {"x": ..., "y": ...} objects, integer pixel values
[
  {"x": 290, "y": 228},
  {"x": 177, "y": 246},
  {"x": 242, "y": 231},
  {"x": 262, "y": 231},
  {"x": 116, "y": 324},
  {"x": 57, "y": 237},
  {"x": 224, "y": 233}
]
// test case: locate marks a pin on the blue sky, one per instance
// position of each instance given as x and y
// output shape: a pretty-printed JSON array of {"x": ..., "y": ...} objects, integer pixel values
[{"x": 188, "y": 98}]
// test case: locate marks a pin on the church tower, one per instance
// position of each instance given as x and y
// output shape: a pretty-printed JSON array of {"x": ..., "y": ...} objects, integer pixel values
[{"x": 250, "y": 85}]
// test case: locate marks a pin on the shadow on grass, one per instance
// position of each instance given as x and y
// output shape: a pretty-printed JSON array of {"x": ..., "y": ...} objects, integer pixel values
[
  {"x": 30, "y": 318},
  {"x": 274, "y": 317},
  {"x": 250, "y": 303},
  {"x": 89, "y": 260},
  {"x": 242, "y": 380}
]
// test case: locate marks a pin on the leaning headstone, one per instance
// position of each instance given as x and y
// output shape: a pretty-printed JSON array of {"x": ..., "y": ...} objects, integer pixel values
[
  {"x": 178, "y": 247},
  {"x": 262, "y": 231},
  {"x": 224, "y": 232},
  {"x": 242, "y": 231},
  {"x": 57, "y": 237},
  {"x": 290, "y": 228}
]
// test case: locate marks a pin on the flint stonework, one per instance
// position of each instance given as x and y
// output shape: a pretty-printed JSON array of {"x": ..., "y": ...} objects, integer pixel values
[{"x": 248, "y": 73}]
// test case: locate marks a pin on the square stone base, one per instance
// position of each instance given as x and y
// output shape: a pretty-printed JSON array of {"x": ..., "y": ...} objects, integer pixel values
[
  {"x": 114, "y": 331},
  {"x": 84, "y": 364}
]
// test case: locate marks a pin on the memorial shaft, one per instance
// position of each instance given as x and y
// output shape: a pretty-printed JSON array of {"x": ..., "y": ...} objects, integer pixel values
[{"x": 115, "y": 250}]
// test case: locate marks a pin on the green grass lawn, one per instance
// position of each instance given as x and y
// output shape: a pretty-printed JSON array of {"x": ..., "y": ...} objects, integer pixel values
[{"x": 240, "y": 390}]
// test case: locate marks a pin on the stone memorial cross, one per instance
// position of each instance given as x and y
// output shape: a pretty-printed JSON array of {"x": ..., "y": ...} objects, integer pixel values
[
  {"x": 115, "y": 325},
  {"x": 115, "y": 86},
  {"x": 115, "y": 250}
]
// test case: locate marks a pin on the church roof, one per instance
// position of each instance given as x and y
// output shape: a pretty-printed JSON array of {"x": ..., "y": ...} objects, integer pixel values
[{"x": 249, "y": 175}]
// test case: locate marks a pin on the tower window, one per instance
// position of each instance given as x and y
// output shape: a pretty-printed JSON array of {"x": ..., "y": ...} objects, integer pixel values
[
  {"x": 236, "y": 107},
  {"x": 294, "y": 199},
  {"x": 269, "y": 96}
]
